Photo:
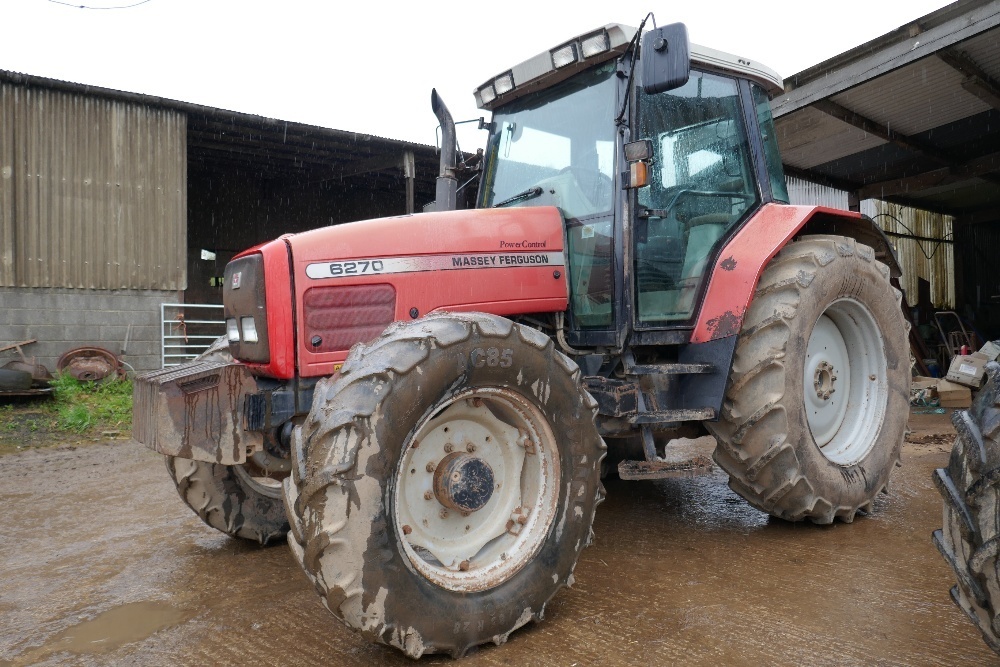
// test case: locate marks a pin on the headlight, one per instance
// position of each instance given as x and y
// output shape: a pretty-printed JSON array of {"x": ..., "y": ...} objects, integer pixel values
[
  {"x": 486, "y": 94},
  {"x": 564, "y": 55},
  {"x": 249, "y": 330},
  {"x": 232, "y": 331},
  {"x": 504, "y": 83},
  {"x": 591, "y": 45}
]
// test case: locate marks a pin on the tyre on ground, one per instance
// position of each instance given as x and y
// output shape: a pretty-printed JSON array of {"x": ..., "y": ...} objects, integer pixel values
[
  {"x": 970, "y": 486},
  {"x": 445, "y": 482},
  {"x": 818, "y": 396},
  {"x": 243, "y": 501}
]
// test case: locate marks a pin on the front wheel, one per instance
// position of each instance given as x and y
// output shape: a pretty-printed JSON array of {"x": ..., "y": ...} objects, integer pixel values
[
  {"x": 818, "y": 395},
  {"x": 444, "y": 484},
  {"x": 241, "y": 501}
]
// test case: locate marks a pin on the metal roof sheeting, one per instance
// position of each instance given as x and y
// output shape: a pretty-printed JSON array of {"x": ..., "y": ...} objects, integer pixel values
[
  {"x": 909, "y": 117},
  {"x": 94, "y": 192}
]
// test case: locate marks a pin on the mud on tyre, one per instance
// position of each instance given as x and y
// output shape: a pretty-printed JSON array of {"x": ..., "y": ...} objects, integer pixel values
[
  {"x": 970, "y": 486},
  {"x": 445, "y": 482},
  {"x": 243, "y": 501},
  {"x": 817, "y": 399}
]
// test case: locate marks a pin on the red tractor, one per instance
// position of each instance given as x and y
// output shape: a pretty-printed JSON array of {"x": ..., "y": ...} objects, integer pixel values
[{"x": 432, "y": 400}]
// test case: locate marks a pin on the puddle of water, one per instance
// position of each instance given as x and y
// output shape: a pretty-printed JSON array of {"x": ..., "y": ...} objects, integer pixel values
[{"x": 108, "y": 631}]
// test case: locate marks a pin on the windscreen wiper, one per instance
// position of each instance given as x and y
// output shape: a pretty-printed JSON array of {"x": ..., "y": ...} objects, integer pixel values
[{"x": 530, "y": 193}]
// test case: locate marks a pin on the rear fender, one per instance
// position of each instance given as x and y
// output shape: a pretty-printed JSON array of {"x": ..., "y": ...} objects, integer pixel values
[{"x": 742, "y": 261}]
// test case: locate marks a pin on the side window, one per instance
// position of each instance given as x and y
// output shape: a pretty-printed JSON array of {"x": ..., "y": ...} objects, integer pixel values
[
  {"x": 775, "y": 170},
  {"x": 702, "y": 183},
  {"x": 591, "y": 273}
]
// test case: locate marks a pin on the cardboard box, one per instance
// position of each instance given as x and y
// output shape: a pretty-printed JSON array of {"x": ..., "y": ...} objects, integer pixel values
[
  {"x": 991, "y": 350},
  {"x": 921, "y": 382},
  {"x": 952, "y": 395},
  {"x": 968, "y": 369}
]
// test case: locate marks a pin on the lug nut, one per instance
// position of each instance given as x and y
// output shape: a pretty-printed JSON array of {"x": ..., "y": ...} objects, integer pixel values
[
  {"x": 444, "y": 513},
  {"x": 428, "y": 495},
  {"x": 431, "y": 466},
  {"x": 470, "y": 448},
  {"x": 407, "y": 530},
  {"x": 449, "y": 447},
  {"x": 464, "y": 566}
]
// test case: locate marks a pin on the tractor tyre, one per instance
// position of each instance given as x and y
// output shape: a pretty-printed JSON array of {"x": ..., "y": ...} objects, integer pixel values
[
  {"x": 241, "y": 501},
  {"x": 445, "y": 482},
  {"x": 970, "y": 485},
  {"x": 818, "y": 396}
]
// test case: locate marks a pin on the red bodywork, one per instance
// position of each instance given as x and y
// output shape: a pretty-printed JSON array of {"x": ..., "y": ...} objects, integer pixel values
[
  {"x": 350, "y": 281},
  {"x": 363, "y": 275},
  {"x": 734, "y": 277}
]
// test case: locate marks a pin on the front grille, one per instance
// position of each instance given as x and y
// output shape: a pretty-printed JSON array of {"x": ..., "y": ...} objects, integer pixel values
[{"x": 339, "y": 317}]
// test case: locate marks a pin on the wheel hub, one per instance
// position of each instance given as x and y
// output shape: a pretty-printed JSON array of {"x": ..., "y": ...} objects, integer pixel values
[
  {"x": 823, "y": 379},
  {"x": 463, "y": 482}
]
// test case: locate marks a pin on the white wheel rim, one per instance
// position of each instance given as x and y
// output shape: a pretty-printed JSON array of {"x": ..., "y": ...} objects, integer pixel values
[
  {"x": 476, "y": 550},
  {"x": 845, "y": 382},
  {"x": 263, "y": 473}
]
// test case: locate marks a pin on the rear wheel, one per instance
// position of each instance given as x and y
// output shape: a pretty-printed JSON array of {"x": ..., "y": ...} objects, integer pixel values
[
  {"x": 818, "y": 396},
  {"x": 241, "y": 501},
  {"x": 445, "y": 482},
  {"x": 970, "y": 485}
]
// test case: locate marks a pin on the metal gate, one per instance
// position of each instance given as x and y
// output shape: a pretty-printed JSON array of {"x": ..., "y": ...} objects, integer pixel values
[{"x": 187, "y": 330}]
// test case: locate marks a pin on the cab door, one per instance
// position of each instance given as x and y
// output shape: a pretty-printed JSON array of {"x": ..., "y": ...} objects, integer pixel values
[{"x": 702, "y": 185}]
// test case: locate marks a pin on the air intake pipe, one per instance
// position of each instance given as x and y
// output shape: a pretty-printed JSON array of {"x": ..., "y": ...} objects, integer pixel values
[{"x": 446, "y": 195}]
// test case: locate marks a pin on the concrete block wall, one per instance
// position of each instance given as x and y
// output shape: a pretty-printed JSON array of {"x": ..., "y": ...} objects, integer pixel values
[{"x": 62, "y": 319}]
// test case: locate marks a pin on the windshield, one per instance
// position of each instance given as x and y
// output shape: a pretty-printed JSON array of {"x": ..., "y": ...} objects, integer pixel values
[{"x": 556, "y": 148}]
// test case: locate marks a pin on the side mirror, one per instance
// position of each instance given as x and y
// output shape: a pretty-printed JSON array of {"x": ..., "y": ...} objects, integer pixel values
[{"x": 666, "y": 58}]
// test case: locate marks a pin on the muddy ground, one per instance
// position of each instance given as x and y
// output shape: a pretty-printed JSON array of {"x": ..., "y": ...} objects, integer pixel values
[{"x": 103, "y": 565}]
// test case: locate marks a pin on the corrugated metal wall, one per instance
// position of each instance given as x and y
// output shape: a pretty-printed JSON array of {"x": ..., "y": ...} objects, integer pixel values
[
  {"x": 94, "y": 192},
  {"x": 932, "y": 261},
  {"x": 803, "y": 192}
]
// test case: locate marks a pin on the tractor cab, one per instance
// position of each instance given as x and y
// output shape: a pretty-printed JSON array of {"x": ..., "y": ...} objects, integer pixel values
[{"x": 654, "y": 162}]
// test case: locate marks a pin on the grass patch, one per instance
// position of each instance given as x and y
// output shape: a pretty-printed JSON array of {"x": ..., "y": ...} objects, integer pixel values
[
  {"x": 74, "y": 412},
  {"x": 83, "y": 406}
]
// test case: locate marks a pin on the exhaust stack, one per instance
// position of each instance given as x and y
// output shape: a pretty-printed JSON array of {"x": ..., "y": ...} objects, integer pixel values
[{"x": 446, "y": 195}]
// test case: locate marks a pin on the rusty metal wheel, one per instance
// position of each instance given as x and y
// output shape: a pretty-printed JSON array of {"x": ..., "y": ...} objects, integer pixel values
[{"x": 444, "y": 484}]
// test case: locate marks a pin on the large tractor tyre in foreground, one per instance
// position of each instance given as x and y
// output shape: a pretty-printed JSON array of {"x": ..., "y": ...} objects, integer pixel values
[
  {"x": 818, "y": 396},
  {"x": 241, "y": 501},
  {"x": 445, "y": 482},
  {"x": 970, "y": 485}
]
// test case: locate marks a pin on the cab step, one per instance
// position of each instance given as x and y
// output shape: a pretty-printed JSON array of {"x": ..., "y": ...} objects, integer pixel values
[
  {"x": 670, "y": 369},
  {"x": 640, "y": 470},
  {"x": 668, "y": 416}
]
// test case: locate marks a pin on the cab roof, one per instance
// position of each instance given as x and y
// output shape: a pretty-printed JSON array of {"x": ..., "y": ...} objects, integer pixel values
[{"x": 600, "y": 45}]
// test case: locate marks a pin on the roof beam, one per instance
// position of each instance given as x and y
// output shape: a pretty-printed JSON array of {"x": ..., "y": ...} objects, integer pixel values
[
  {"x": 870, "y": 126},
  {"x": 981, "y": 167},
  {"x": 976, "y": 81}
]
